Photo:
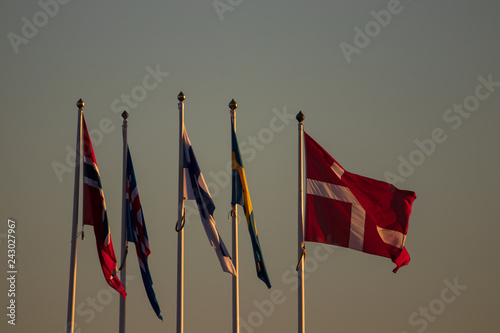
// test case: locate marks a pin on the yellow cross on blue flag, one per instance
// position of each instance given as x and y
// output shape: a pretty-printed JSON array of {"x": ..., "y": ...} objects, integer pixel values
[{"x": 241, "y": 196}]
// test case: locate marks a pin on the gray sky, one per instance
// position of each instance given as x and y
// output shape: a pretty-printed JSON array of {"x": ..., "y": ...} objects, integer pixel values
[{"x": 404, "y": 91}]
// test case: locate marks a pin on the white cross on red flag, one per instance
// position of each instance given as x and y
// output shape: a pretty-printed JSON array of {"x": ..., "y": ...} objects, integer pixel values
[{"x": 353, "y": 211}]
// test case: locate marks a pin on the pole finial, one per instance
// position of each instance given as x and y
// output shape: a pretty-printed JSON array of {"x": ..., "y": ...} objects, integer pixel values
[
  {"x": 124, "y": 115},
  {"x": 80, "y": 104},
  {"x": 181, "y": 97},
  {"x": 233, "y": 105},
  {"x": 300, "y": 117}
]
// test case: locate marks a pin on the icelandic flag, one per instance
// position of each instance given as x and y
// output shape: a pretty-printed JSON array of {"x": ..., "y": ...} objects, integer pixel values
[
  {"x": 353, "y": 211},
  {"x": 94, "y": 214},
  {"x": 241, "y": 196},
  {"x": 137, "y": 233},
  {"x": 195, "y": 188}
]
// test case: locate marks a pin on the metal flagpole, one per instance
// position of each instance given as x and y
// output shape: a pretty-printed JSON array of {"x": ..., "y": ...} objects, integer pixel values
[
  {"x": 301, "y": 244},
  {"x": 236, "y": 286},
  {"x": 70, "y": 322},
  {"x": 123, "y": 266},
  {"x": 180, "y": 221}
]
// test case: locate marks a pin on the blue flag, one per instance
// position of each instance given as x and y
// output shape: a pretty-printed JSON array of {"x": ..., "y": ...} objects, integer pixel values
[
  {"x": 241, "y": 196},
  {"x": 137, "y": 233}
]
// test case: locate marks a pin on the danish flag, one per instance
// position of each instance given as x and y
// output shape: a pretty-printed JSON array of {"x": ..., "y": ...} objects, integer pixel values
[{"x": 353, "y": 211}]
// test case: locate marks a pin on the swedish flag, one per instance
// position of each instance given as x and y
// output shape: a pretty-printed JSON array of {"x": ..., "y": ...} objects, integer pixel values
[{"x": 241, "y": 196}]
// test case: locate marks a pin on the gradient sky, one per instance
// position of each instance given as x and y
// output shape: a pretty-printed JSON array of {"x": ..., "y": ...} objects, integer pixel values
[{"x": 402, "y": 87}]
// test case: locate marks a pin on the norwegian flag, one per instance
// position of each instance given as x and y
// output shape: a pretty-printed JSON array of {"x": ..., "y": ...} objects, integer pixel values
[
  {"x": 137, "y": 233},
  {"x": 94, "y": 214},
  {"x": 353, "y": 211}
]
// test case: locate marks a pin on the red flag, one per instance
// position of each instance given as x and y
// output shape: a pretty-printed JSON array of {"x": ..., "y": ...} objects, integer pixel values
[
  {"x": 353, "y": 211},
  {"x": 94, "y": 214}
]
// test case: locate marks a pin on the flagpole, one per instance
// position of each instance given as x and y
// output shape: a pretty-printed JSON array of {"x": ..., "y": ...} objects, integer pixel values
[
  {"x": 234, "y": 214},
  {"x": 123, "y": 266},
  {"x": 70, "y": 322},
  {"x": 180, "y": 220},
  {"x": 301, "y": 245}
]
